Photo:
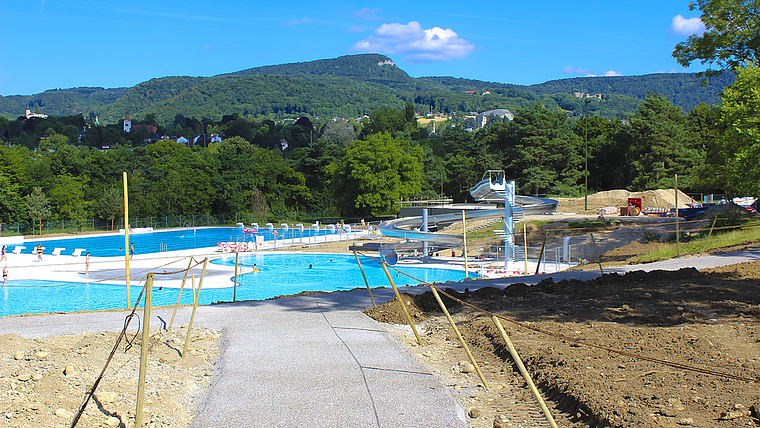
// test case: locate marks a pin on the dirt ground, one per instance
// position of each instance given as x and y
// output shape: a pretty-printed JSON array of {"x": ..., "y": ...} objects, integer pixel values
[
  {"x": 658, "y": 349},
  {"x": 43, "y": 382}
]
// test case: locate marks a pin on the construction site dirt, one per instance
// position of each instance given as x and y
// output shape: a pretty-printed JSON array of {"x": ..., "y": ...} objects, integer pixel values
[{"x": 658, "y": 349}]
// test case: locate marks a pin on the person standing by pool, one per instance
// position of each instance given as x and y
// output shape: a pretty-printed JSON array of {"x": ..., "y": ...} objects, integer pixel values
[
  {"x": 39, "y": 252},
  {"x": 5, "y": 274},
  {"x": 2, "y": 255},
  {"x": 86, "y": 263},
  {"x": 131, "y": 250}
]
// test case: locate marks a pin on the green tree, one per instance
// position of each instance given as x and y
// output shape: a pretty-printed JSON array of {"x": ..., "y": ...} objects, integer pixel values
[
  {"x": 339, "y": 133},
  {"x": 542, "y": 154},
  {"x": 731, "y": 38},
  {"x": 110, "y": 204},
  {"x": 737, "y": 153},
  {"x": 703, "y": 135},
  {"x": 11, "y": 205},
  {"x": 37, "y": 207},
  {"x": 660, "y": 148},
  {"x": 67, "y": 194},
  {"x": 375, "y": 173}
]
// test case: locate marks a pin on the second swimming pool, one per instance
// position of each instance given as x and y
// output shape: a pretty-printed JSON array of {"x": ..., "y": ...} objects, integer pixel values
[
  {"x": 112, "y": 245},
  {"x": 279, "y": 274}
]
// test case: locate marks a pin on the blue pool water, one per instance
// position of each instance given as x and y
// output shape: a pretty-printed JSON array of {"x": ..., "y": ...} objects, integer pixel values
[
  {"x": 169, "y": 240},
  {"x": 280, "y": 274}
]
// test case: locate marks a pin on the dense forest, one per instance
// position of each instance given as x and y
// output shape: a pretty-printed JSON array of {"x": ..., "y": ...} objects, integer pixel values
[
  {"x": 352, "y": 86},
  {"x": 70, "y": 166}
]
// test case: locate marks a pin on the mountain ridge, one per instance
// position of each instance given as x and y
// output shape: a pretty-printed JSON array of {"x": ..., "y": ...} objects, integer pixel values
[{"x": 350, "y": 86}]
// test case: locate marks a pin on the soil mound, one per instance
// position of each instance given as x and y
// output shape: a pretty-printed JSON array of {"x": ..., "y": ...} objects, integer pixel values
[
  {"x": 660, "y": 198},
  {"x": 647, "y": 349}
]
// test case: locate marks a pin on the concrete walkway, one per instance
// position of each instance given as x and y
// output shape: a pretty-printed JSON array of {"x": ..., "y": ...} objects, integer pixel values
[
  {"x": 316, "y": 361},
  {"x": 310, "y": 361}
]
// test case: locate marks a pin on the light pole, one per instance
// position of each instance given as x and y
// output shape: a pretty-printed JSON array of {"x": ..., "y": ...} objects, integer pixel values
[{"x": 585, "y": 152}]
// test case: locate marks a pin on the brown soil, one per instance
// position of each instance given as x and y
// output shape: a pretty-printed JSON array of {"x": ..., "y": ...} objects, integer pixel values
[
  {"x": 43, "y": 382},
  {"x": 601, "y": 350},
  {"x": 661, "y": 198}
]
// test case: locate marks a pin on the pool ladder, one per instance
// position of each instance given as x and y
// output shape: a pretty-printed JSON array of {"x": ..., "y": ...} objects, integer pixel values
[{"x": 162, "y": 247}]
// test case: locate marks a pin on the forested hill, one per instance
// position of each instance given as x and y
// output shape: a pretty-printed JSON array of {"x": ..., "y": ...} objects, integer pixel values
[
  {"x": 364, "y": 66},
  {"x": 351, "y": 86}
]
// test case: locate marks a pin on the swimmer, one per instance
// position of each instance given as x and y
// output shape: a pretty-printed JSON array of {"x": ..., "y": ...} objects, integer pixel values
[
  {"x": 255, "y": 268},
  {"x": 310, "y": 267}
]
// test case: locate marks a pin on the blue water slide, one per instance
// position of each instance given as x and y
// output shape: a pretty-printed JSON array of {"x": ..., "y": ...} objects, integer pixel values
[{"x": 491, "y": 188}]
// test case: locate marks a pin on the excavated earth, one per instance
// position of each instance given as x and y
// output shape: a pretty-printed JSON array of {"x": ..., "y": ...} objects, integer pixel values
[
  {"x": 44, "y": 382},
  {"x": 658, "y": 349}
]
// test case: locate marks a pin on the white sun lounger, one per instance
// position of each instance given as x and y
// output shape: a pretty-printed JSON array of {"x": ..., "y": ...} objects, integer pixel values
[
  {"x": 78, "y": 252},
  {"x": 57, "y": 251},
  {"x": 17, "y": 249}
]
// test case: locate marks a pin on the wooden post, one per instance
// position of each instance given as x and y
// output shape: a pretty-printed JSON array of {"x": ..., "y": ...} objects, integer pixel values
[
  {"x": 678, "y": 231},
  {"x": 524, "y": 371},
  {"x": 365, "y": 279},
  {"x": 541, "y": 254},
  {"x": 195, "y": 306},
  {"x": 401, "y": 302},
  {"x": 126, "y": 234},
  {"x": 144, "y": 347},
  {"x": 708, "y": 236},
  {"x": 459, "y": 336},
  {"x": 182, "y": 287}
]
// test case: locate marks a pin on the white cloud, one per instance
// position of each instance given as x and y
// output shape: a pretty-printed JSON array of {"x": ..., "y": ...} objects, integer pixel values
[
  {"x": 579, "y": 71},
  {"x": 681, "y": 26},
  {"x": 368, "y": 14},
  {"x": 297, "y": 22},
  {"x": 415, "y": 43},
  {"x": 586, "y": 72}
]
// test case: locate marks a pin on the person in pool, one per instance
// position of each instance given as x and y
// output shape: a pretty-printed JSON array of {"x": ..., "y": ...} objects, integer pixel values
[{"x": 255, "y": 268}]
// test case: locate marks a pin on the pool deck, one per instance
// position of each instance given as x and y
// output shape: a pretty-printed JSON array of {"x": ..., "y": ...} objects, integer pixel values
[{"x": 314, "y": 361}]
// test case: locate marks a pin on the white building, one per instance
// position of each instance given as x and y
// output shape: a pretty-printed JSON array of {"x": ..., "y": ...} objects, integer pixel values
[{"x": 482, "y": 118}]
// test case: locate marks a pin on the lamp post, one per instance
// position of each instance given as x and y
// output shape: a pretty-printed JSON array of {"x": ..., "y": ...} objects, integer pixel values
[{"x": 585, "y": 153}]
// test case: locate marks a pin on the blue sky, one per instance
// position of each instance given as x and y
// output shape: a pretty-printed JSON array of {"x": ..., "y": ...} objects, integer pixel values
[{"x": 49, "y": 44}]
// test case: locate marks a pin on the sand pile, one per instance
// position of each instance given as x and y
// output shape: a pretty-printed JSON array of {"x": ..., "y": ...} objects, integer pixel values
[{"x": 660, "y": 198}]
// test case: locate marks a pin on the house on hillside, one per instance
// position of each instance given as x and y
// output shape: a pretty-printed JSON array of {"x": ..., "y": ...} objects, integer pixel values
[
  {"x": 30, "y": 115},
  {"x": 127, "y": 123},
  {"x": 482, "y": 118}
]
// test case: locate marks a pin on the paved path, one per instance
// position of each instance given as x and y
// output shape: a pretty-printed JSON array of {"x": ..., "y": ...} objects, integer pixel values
[
  {"x": 309, "y": 361},
  {"x": 317, "y": 361}
]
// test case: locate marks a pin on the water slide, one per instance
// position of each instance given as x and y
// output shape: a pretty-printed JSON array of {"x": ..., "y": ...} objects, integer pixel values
[{"x": 492, "y": 188}]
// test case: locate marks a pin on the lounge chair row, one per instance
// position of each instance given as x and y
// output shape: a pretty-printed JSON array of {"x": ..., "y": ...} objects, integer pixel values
[{"x": 56, "y": 251}]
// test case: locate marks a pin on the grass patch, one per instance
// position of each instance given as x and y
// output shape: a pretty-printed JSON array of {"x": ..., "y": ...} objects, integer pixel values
[{"x": 663, "y": 251}]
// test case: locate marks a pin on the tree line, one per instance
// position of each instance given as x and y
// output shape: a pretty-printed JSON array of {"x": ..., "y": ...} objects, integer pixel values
[{"x": 363, "y": 169}]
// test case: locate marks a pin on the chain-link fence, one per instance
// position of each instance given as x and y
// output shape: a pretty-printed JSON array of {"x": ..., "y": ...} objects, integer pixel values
[{"x": 162, "y": 222}]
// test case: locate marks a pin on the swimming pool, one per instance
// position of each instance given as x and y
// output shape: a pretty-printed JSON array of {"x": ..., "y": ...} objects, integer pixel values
[
  {"x": 112, "y": 245},
  {"x": 280, "y": 274}
]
